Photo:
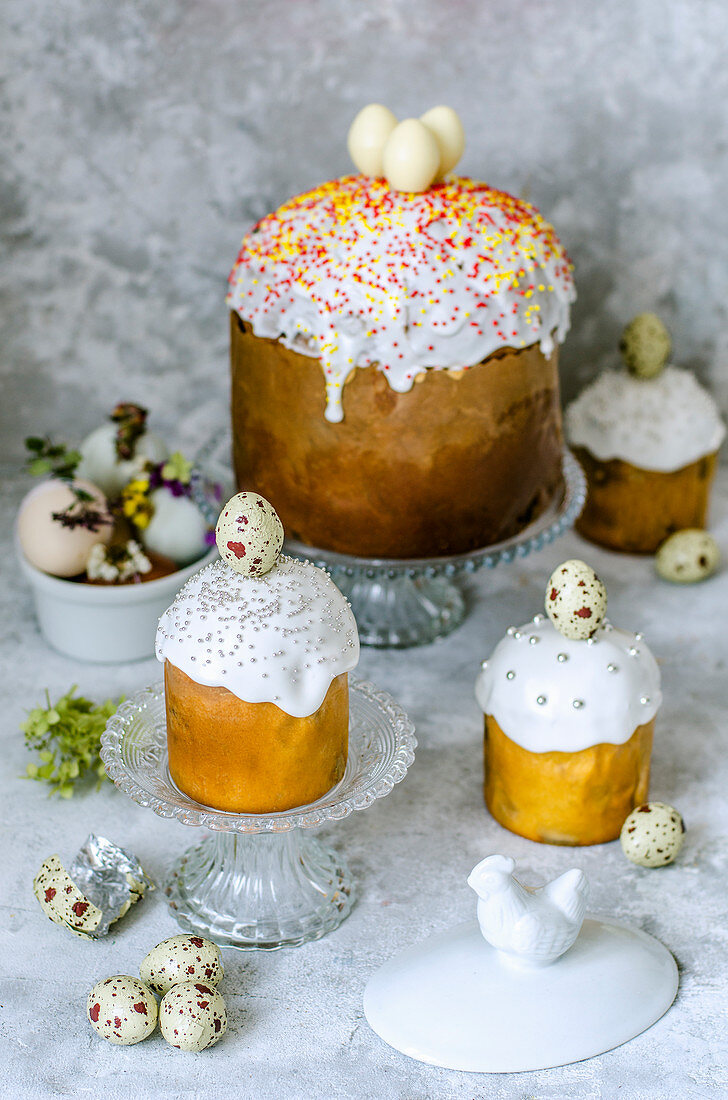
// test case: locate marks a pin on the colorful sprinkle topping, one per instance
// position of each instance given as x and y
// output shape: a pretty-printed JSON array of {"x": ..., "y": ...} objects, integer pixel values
[{"x": 359, "y": 275}]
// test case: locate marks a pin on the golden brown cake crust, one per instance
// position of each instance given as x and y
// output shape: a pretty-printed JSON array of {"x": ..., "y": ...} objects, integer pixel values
[
  {"x": 463, "y": 460},
  {"x": 634, "y": 510},
  {"x": 252, "y": 757},
  {"x": 565, "y": 797}
]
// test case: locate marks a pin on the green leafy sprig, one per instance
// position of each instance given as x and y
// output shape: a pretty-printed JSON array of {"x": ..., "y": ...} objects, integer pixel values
[
  {"x": 66, "y": 735},
  {"x": 55, "y": 459}
]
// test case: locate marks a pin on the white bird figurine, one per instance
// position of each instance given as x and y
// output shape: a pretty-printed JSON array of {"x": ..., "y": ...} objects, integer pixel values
[{"x": 533, "y": 927}]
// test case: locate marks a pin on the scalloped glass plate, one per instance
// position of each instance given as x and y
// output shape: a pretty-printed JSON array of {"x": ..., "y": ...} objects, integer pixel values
[{"x": 381, "y": 749}]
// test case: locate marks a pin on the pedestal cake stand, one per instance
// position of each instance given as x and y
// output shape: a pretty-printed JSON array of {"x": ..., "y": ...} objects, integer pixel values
[
  {"x": 399, "y": 603},
  {"x": 260, "y": 880}
]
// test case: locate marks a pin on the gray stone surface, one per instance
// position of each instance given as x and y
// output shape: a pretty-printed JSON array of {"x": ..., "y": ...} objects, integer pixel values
[
  {"x": 296, "y": 1024},
  {"x": 141, "y": 140}
]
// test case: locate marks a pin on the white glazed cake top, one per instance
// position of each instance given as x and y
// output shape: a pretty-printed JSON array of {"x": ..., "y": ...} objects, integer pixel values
[
  {"x": 549, "y": 693},
  {"x": 661, "y": 423},
  {"x": 360, "y": 275},
  {"x": 281, "y": 638}
]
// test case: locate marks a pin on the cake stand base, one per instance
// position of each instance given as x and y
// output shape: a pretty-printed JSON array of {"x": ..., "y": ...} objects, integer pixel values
[
  {"x": 260, "y": 891},
  {"x": 453, "y": 1001},
  {"x": 399, "y": 611}
]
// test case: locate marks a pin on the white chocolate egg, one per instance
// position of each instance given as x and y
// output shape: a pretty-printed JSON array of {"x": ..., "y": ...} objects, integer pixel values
[
  {"x": 49, "y": 545},
  {"x": 367, "y": 137},
  {"x": 411, "y": 158},
  {"x": 249, "y": 534},
  {"x": 122, "y": 1010},
  {"x": 445, "y": 124},
  {"x": 652, "y": 835},
  {"x": 179, "y": 959},
  {"x": 576, "y": 599},
  {"x": 687, "y": 556},
  {"x": 177, "y": 529},
  {"x": 101, "y": 464},
  {"x": 192, "y": 1016}
]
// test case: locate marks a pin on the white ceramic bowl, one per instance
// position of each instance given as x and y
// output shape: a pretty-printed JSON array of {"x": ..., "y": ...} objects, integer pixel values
[{"x": 104, "y": 623}]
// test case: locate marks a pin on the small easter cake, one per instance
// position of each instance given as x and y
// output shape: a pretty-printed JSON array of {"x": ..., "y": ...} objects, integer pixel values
[
  {"x": 399, "y": 329},
  {"x": 257, "y": 649},
  {"x": 569, "y": 704},
  {"x": 647, "y": 437}
]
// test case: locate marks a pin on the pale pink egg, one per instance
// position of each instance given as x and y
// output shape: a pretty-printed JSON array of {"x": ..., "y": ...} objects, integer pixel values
[{"x": 58, "y": 547}]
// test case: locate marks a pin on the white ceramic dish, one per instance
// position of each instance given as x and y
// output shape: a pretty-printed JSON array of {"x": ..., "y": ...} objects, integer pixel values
[{"x": 103, "y": 623}]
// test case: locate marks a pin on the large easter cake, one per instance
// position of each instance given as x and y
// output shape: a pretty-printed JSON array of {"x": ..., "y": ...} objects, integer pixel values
[{"x": 394, "y": 355}]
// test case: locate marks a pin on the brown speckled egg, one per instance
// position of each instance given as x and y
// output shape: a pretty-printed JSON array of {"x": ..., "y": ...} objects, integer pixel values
[
  {"x": 687, "y": 556},
  {"x": 122, "y": 1010},
  {"x": 576, "y": 599},
  {"x": 192, "y": 1016},
  {"x": 249, "y": 534},
  {"x": 53, "y": 546},
  {"x": 652, "y": 835},
  {"x": 179, "y": 959}
]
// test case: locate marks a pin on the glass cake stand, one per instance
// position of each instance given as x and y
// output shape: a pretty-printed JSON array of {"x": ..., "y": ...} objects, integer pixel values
[
  {"x": 399, "y": 603},
  {"x": 260, "y": 880}
]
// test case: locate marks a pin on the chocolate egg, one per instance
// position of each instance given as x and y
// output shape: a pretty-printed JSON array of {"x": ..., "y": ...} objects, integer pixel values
[
  {"x": 445, "y": 124},
  {"x": 177, "y": 529},
  {"x": 179, "y": 959},
  {"x": 411, "y": 158},
  {"x": 122, "y": 1010},
  {"x": 687, "y": 556},
  {"x": 652, "y": 835},
  {"x": 101, "y": 464},
  {"x": 56, "y": 546},
  {"x": 192, "y": 1016},
  {"x": 62, "y": 901},
  {"x": 576, "y": 599},
  {"x": 367, "y": 137},
  {"x": 249, "y": 534},
  {"x": 645, "y": 345}
]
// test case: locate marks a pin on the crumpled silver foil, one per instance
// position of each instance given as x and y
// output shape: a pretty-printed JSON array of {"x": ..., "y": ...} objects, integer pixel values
[{"x": 110, "y": 877}]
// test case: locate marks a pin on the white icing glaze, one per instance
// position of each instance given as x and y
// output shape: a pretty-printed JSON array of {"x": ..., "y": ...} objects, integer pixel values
[
  {"x": 281, "y": 638},
  {"x": 661, "y": 423},
  {"x": 359, "y": 275},
  {"x": 609, "y": 702}
]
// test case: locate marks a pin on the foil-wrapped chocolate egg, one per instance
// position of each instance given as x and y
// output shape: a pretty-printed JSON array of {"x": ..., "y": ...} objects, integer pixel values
[
  {"x": 61, "y": 545},
  {"x": 192, "y": 1016},
  {"x": 445, "y": 124},
  {"x": 652, "y": 835},
  {"x": 687, "y": 556},
  {"x": 249, "y": 534},
  {"x": 183, "y": 958},
  {"x": 576, "y": 599},
  {"x": 411, "y": 157},
  {"x": 122, "y": 1010},
  {"x": 367, "y": 137},
  {"x": 62, "y": 901},
  {"x": 177, "y": 528}
]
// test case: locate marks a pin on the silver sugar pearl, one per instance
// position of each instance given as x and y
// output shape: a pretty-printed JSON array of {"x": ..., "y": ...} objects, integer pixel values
[
  {"x": 510, "y": 675},
  {"x": 538, "y": 618},
  {"x": 541, "y": 700},
  {"x": 483, "y": 664},
  {"x": 644, "y": 700},
  {"x": 534, "y": 639},
  {"x": 561, "y": 657},
  {"x": 612, "y": 668},
  {"x": 577, "y": 704},
  {"x": 633, "y": 651}
]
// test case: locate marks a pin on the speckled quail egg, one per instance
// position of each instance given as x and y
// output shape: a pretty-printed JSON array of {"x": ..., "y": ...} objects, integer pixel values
[
  {"x": 122, "y": 1010},
  {"x": 181, "y": 958},
  {"x": 62, "y": 901},
  {"x": 411, "y": 157},
  {"x": 101, "y": 464},
  {"x": 652, "y": 835},
  {"x": 367, "y": 137},
  {"x": 445, "y": 124},
  {"x": 192, "y": 1016},
  {"x": 576, "y": 599},
  {"x": 249, "y": 534},
  {"x": 177, "y": 528},
  {"x": 645, "y": 345},
  {"x": 60, "y": 547},
  {"x": 688, "y": 556}
]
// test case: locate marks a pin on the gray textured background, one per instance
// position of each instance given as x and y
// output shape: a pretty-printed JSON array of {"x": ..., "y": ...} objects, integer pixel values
[{"x": 143, "y": 137}]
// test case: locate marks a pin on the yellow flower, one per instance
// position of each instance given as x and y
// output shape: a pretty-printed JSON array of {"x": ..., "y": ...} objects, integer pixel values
[{"x": 135, "y": 502}]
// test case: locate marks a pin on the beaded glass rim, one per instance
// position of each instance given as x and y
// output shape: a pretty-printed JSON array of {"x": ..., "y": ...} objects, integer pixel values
[
  {"x": 382, "y": 746},
  {"x": 557, "y": 519}
]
